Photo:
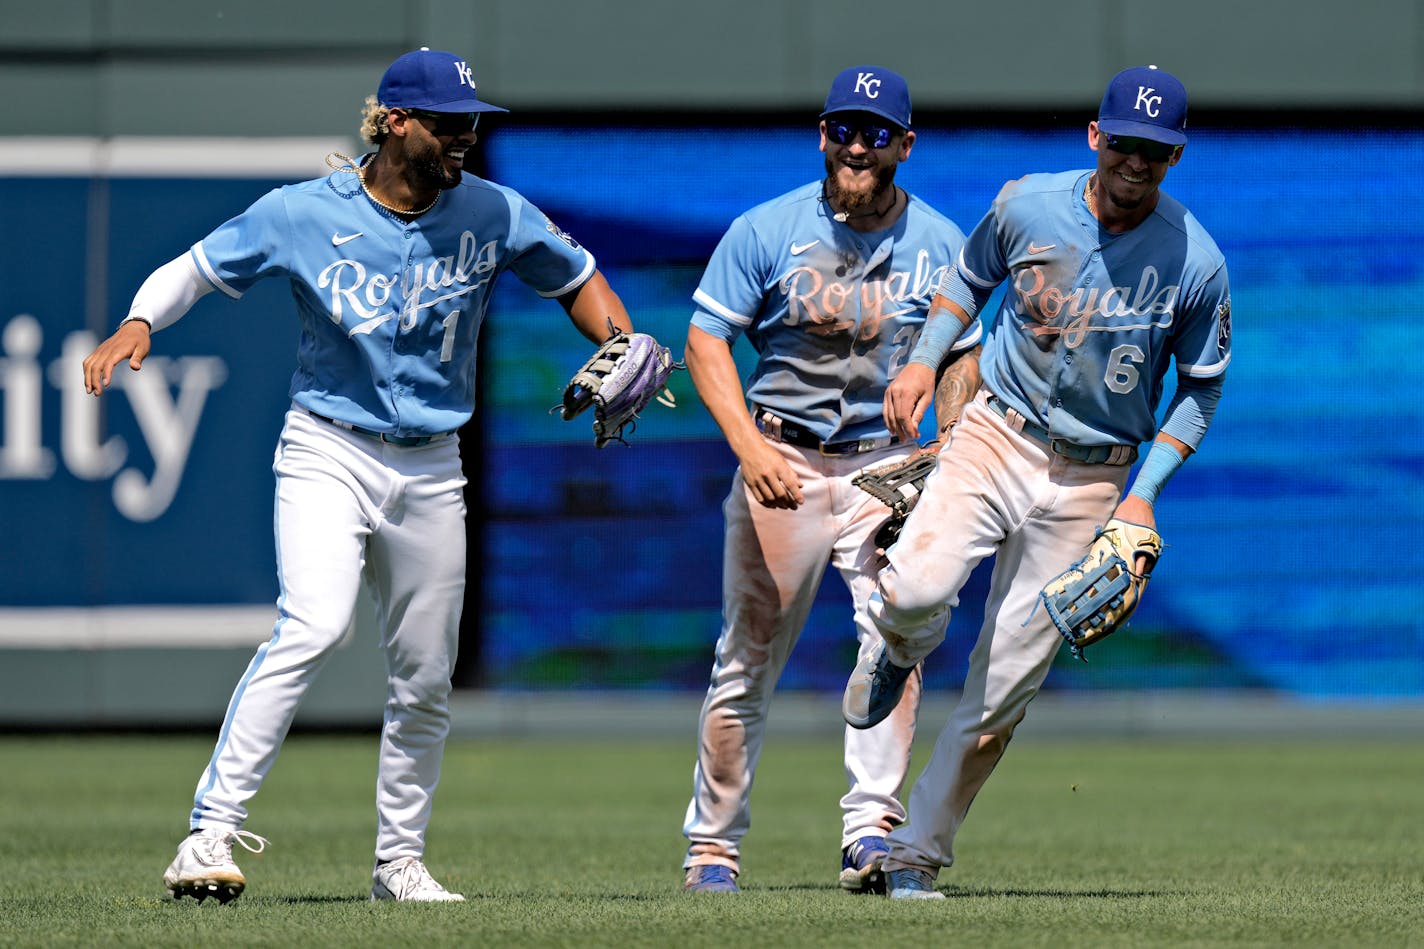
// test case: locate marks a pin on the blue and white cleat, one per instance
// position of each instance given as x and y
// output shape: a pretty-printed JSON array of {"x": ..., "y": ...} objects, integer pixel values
[
  {"x": 711, "y": 878},
  {"x": 861, "y": 865},
  {"x": 874, "y": 689},
  {"x": 912, "y": 883}
]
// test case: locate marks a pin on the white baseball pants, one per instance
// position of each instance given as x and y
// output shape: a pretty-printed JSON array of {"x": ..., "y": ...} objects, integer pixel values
[
  {"x": 351, "y": 508},
  {"x": 994, "y": 493},
  {"x": 773, "y": 563}
]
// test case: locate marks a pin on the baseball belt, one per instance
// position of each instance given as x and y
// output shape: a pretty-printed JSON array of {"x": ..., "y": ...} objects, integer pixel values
[
  {"x": 1084, "y": 454},
  {"x": 779, "y": 429},
  {"x": 400, "y": 441}
]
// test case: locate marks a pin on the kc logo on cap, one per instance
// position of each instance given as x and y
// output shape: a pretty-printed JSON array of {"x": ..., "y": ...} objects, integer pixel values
[
  {"x": 870, "y": 89},
  {"x": 1145, "y": 102},
  {"x": 433, "y": 80}
]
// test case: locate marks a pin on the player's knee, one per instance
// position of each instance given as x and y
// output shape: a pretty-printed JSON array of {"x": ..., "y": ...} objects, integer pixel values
[
  {"x": 902, "y": 605},
  {"x": 426, "y": 690}
]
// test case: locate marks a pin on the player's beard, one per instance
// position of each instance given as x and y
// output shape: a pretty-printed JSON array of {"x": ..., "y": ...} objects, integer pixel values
[
  {"x": 428, "y": 165},
  {"x": 1127, "y": 203},
  {"x": 851, "y": 200}
]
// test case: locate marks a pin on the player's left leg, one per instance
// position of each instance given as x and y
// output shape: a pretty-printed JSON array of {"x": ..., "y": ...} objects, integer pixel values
[
  {"x": 876, "y": 759},
  {"x": 772, "y": 565},
  {"x": 416, "y": 569},
  {"x": 1015, "y": 649}
]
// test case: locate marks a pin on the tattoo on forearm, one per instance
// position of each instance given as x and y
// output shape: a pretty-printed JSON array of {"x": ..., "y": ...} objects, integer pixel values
[{"x": 959, "y": 379}]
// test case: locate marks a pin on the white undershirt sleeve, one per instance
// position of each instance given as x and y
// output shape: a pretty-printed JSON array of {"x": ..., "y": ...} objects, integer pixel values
[{"x": 168, "y": 293}]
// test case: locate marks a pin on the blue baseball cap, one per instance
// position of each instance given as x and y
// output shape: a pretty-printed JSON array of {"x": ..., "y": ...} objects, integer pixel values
[
  {"x": 870, "y": 89},
  {"x": 1145, "y": 102},
  {"x": 432, "y": 80}
]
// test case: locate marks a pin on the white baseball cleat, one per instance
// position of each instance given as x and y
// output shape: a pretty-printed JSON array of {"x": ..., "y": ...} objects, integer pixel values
[
  {"x": 204, "y": 867},
  {"x": 406, "y": 878}
]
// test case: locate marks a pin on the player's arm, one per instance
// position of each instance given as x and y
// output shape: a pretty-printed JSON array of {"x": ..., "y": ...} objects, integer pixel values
[
  {"x": 167, "y": 294},
  {"x": 714, "y": 374},
  {"x": 959, "y": 379},
  {"x": 1186, "y": 422},
  {"x": 908, "y": 396},
  {"x": 962, "y": 292},
  {"x": 594, "y": 307}
]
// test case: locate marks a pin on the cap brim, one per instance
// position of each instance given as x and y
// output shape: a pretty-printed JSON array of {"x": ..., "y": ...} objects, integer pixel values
[
  {"x": 1153, "y": 133},
  {"x": 892, "y": 119},
  {"x": 461, "y": 106}
]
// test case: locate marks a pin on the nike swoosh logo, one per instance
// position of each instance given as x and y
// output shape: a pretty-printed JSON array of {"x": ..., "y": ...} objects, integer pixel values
[
  {"x": 1039, "y": 248},
  {"x": 338, "y": 239},
  {"x": 798, "y": 249}
]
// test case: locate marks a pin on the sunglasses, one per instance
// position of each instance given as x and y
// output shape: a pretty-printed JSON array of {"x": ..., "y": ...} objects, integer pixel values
[
  {"x": 1150, "y": 150},
  {"x": 843, "y": 133},
  {"x": 447, "y": 123}
]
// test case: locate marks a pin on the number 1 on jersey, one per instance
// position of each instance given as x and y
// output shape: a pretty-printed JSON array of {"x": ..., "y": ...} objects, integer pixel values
[{"x": 447, "y": 343}]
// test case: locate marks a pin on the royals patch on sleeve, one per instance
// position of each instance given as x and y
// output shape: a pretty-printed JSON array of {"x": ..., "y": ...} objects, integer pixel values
[
  {"x": 1223, "y": 325},
  {"x": 562, "y": 235}
]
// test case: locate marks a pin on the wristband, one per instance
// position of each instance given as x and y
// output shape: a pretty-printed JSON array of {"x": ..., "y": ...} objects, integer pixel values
[{"x": 1162, "y": 462}]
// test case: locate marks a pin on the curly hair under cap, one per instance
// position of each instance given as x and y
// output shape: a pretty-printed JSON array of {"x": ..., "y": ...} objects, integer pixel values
[{"x": 375, "y": 127}]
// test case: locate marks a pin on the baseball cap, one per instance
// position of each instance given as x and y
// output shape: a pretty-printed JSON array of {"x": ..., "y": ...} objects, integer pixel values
[
  {"x": 1145, "y": 102},
  {"x": 870, "y": 89},
  {"x": 432, "y": 80}
]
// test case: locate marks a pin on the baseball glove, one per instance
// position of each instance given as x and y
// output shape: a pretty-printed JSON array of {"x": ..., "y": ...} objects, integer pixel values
[
  {"x": 898, "y": 486},
  {"x": 626, "y": 372},
  {"x": 1093, "y": 598}
]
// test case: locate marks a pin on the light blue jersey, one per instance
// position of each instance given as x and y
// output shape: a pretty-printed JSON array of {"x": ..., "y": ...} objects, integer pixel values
[
  {"x": 832, "y": 313},
  {"x": 1090, "y": 319},
  {"x": 390, "y": 310}
]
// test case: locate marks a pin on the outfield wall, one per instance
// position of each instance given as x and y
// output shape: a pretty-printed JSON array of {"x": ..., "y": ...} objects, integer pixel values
[
  {"x": 269, "y": 67},
  {"x": 137, "y": 556}
]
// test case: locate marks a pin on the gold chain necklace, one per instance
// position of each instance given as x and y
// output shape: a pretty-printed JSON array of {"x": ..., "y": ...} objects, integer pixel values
[
  {"x": 1088, "y": 195},
  {"x": 341, "y": 162},
  {"x": 361, "y": 177}
]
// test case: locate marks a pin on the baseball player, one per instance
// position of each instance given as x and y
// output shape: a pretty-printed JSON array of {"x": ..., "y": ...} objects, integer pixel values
[
  {"x": 391, "y": 261},
  {"x": 1110, "y": 281},
  {"x": 830, "y": 283}
]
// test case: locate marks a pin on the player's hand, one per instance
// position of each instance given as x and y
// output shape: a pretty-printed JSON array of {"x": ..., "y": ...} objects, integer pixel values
[
  {"x": 906, "y": 400},
  {"x": 1135, "y": 510},
  {"x": 130, "y": 341},
  {"x": 770, "y": 479}
]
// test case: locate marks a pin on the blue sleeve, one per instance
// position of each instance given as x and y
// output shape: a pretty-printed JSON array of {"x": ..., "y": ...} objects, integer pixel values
[
  {"x": 980, "y": 268},
  {"x": 1203, "y": 348},
  {"x": 247, "y": 248},
  {"x": 733, "y": 287},
  {"x": 963, "y": 285},
  {"x": 1192, "y": 408},
  {"x": 545, "y": 258}
]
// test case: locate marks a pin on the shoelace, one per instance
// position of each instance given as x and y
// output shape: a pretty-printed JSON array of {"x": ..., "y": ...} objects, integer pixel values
[
  {"x": 409, "y": 876},
  {"x": 219, "y": 849},
  {"x": 883, "y": 674}
]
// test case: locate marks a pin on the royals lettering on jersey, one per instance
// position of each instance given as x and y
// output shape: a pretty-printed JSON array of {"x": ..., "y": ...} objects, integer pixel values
[
  {"x": 390, "y": 310},
  {"x": 424, "y": 285},
  {"x": 832, "y": 313},
  {"x": 1092, "y": 320}
]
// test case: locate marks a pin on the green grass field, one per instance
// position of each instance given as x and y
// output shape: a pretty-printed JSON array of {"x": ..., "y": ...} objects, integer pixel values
[{"x": 1092, "y": 843}]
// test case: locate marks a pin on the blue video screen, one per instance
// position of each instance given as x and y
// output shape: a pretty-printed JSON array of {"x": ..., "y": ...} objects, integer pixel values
[{"x": 1291, "y": 560}]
